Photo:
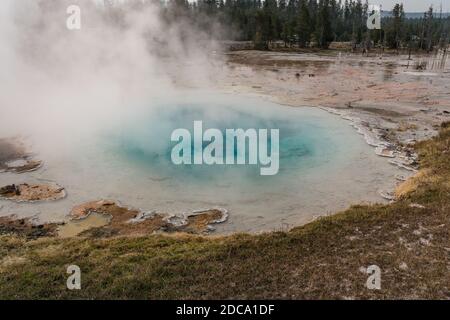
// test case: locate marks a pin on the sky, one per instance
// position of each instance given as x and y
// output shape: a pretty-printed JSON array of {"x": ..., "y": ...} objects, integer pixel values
[
  {"x": 414, "y": 5},
  {"x": 409, "y": 5}
]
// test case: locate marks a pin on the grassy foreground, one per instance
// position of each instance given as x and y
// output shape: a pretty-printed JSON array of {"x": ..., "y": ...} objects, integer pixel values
[{"x": 409, "y": 240}]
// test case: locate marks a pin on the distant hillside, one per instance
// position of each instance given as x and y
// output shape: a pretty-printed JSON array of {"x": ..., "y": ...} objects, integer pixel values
[{"x": 415, "y": 15}]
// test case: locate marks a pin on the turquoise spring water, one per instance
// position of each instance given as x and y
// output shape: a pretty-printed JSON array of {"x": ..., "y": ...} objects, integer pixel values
[
  {"x": 307, "y": 140},
  {"x": 325, "y": 165}
]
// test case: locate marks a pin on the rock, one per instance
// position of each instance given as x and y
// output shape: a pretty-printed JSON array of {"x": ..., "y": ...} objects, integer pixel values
[
  {"x": 387, "y": 195},
  {"x": 9, "y": 189},
  {"x": 385, "y": 152},
  {"x": 425, "y": 242},
  {"x": 142, "y": 216},
  {"x": 127, "y": 221},
  {"x": 26, "y": 228},
  {"x": 403, "y": 164},
  {"x": 15, "y": 158},
  {"x": 28, "y": 166},
  {"x": 30, "y": 193}
]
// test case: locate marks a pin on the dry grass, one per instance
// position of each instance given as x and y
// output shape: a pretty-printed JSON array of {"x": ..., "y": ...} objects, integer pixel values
[{"x": 423, "y": 177}]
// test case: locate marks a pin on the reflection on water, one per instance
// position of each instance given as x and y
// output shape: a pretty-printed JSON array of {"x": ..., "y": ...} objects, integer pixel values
[
  {"x": 389, "y": 71},
  {"x": 434, "y": 62}
]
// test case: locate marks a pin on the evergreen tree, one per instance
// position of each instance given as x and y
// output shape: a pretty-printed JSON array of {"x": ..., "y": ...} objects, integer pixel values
[
  {"x": 300, "y": 22},
  {"x": 324, "y": 33},
  {"x": 304, "y": 25}
]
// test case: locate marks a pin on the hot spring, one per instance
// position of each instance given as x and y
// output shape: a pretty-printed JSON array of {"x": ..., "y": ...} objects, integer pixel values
[{"x": 324, "y": 165}]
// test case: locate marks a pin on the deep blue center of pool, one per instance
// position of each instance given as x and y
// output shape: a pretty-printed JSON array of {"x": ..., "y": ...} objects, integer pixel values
[{"x": 307, "y": 138}]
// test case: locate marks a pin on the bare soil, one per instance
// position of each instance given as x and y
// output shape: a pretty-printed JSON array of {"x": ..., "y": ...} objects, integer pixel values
[{"x": 385, "y": 90}]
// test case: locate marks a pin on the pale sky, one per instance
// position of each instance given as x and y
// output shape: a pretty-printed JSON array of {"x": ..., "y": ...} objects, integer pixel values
[
  {"x": 414, "y": 5},
  {"x": 409, "y": 5}
]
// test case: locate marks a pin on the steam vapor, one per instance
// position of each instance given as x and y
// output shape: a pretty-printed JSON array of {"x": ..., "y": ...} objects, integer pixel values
[{"x": 60, "y": 85}]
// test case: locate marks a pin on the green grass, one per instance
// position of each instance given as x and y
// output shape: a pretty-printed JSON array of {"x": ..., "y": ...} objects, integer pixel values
[{"x": 319, "y": 260}]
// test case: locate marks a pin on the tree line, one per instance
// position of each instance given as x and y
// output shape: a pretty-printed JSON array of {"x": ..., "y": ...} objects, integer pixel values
[{"x": 305, "y": 23}]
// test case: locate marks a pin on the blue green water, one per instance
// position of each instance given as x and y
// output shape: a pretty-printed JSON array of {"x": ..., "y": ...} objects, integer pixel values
[
  {"x": 307, "y": 139},
  {"x": 325, "y": 165}
]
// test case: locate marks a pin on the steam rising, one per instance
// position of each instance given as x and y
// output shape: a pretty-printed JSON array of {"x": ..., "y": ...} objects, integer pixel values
[{"x": 59, "y": 85}]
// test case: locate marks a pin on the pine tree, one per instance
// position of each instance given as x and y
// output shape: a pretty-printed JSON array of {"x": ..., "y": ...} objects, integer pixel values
[
  {"x": 304, "y": 25},
  {"x": 324, "y": 33}
]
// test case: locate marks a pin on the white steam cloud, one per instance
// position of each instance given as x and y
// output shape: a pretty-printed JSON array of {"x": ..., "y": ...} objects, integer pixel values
[{"x": 57, "y": 84}]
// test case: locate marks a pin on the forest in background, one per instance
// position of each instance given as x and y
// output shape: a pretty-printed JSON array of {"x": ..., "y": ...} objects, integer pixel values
[{"x": 304, "y": 23}]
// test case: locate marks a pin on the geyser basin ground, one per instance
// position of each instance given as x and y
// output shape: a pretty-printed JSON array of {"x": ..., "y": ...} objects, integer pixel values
[{"x": 324, "y": 166}]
